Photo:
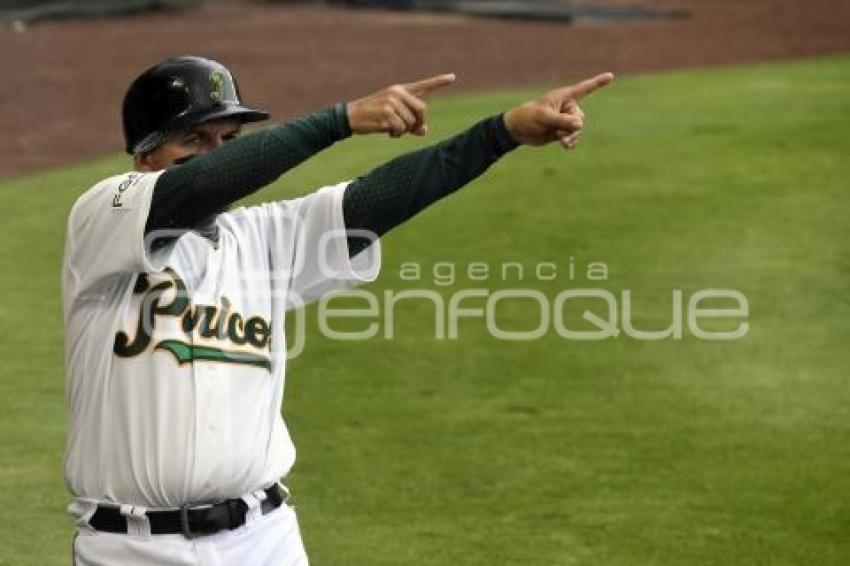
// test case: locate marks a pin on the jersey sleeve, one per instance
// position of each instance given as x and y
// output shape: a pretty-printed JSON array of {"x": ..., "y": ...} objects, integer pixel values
[
  {"x": 308, "y": 247},
  {"x": 106, "y": 229}
]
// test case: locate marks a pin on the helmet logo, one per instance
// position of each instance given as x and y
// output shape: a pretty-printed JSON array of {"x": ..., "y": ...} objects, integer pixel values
[{"x": 217, "y": 81}]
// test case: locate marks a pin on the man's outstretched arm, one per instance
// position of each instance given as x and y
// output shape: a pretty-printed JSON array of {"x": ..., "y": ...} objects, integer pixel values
[
  {"x": 394, "y": 192},
  {"x": 190, "y": 192}
]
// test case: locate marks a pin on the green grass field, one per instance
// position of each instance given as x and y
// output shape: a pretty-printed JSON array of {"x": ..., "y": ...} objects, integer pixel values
[{"x": 477, "y": 451}]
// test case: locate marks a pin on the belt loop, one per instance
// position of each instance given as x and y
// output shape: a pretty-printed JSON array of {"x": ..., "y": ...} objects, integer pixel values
[
  {"x": 82, "y": 510},
  {"x": 253, "y": 501},
  {"x": 137, "y": 520}
]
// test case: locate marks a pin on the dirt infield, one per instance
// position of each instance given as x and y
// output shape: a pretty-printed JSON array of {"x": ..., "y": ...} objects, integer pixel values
[{"x": 63, "y": 82}]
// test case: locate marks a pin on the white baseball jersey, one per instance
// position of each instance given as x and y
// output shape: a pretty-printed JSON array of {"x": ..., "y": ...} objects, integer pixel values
[{"x": 175, "y": 355}]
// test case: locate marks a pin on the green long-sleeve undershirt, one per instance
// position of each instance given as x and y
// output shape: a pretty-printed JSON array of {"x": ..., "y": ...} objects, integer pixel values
[{"x": 190, "y": 192}]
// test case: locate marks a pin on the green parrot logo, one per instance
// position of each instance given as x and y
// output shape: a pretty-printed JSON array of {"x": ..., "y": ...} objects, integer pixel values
[{"x": 217, "y": 86}]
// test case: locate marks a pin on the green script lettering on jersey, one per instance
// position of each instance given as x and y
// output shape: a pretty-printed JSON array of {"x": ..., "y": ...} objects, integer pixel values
[{"x": 216, "y": 323}]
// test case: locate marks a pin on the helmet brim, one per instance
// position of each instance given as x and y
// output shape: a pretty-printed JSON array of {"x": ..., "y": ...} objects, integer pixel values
[{"x": 244, "y": 114}]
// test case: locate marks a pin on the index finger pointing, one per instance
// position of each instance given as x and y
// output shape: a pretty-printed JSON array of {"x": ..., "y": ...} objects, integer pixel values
[
  {"x": 588, "y": 86},
  {"x": 430, "y": 84}
]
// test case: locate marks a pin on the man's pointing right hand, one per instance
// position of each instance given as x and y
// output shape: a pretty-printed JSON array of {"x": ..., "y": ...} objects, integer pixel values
[
  {"x": 397, "y": 109},
  {"x": 555, "y": 116}
]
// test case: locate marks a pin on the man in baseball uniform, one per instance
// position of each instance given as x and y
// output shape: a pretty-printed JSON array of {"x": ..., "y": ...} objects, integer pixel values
[{"x": 174, "y": 305}]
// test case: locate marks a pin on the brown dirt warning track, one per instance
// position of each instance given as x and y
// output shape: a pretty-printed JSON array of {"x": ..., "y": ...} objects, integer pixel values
[{"x": 62, "y": 82}]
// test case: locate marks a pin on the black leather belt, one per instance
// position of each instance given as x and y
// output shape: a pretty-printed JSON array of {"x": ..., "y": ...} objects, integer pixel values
[{"x": 190, "y": 521}]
